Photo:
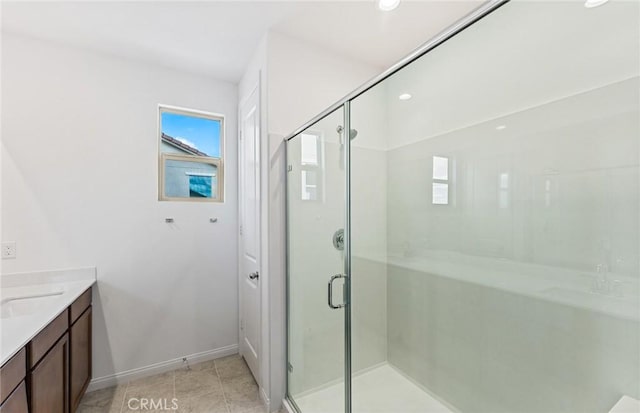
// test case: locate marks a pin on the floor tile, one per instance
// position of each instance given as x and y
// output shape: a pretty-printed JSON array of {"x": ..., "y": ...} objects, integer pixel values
[
  {"x": 258, "y": 409},
  {"x": 217, "y": 386},
  {"x": 107, "y": 400},
  {"x": 205, "y": 365},
  {"x": 96, "y": 409},
  {"x": 231, "y": 366},
  {"x": 191, "y": 383},
  {"x": 152, "y": 381},
  {"x": 241, "y": 393},
  {"x": 161, "y": 393},
  {"x": 205, "y": 403}
]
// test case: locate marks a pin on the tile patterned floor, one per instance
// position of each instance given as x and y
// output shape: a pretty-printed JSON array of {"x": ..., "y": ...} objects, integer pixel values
[{"x": 224, "y": 385}]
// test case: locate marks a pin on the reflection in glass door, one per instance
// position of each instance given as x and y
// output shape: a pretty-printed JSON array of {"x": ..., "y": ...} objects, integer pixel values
[{"x": 316, "y": 266}]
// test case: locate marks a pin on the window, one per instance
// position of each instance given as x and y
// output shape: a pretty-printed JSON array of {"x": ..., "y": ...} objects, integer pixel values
[
  {"x": 191, "y": 155},
  {"x": 311, "y": 166},
  {"x": 440, "y": 185},
  {"x": 503, "y": 190}
]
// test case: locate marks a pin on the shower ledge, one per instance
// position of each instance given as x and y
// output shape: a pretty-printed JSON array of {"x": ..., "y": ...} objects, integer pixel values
[
  {"x": 626, "y": 404},
  {"x": 557, "y": 285}
]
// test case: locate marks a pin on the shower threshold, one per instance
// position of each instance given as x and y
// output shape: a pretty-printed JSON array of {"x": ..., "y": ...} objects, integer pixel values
[{"x": 379, "y": 390}]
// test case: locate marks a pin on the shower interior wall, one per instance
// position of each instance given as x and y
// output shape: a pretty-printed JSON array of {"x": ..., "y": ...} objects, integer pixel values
[{"x": 489, "y": 299}]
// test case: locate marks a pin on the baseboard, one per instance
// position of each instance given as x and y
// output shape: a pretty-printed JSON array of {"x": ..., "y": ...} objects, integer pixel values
[
  {"x": 265, "y": 399},
  {"x": 157, "y": 368}
]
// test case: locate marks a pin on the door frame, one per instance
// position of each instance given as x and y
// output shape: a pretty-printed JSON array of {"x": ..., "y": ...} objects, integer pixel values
[{"x": 259, "y": 241}]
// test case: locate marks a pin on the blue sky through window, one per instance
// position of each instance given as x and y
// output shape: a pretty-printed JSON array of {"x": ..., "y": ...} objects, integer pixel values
[{"x": 200, "y": 133}]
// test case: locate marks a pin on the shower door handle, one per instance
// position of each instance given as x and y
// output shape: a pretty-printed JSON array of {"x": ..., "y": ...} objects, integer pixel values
[{"x": 330, "y": 292}]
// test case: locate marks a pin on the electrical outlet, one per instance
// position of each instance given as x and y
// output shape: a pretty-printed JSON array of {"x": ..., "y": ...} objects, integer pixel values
[{"x": 8, "y": 250}]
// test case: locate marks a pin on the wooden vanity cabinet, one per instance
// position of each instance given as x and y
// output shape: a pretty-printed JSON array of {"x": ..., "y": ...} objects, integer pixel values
[
  {"x": 13, "y": 390},
  {"x": 52, "y": 372}
]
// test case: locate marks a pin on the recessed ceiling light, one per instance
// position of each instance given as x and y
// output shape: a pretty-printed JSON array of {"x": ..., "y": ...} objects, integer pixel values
[
  {"x": 404, "y": 96},
  {"x": 388, "y": 5},
  {"x": 501, "y": 127},
  {"x": 594, "y": 3}
]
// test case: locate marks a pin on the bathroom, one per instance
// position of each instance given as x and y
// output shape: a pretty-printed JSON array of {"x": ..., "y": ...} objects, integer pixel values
[{"x": 387, "y": 206}]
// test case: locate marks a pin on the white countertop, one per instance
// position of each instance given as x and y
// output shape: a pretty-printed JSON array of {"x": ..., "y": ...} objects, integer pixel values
[{"x": 60, "y": 288}]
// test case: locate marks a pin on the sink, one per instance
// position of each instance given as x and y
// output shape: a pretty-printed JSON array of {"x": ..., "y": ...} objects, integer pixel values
[{"x": 27, "y": 304}]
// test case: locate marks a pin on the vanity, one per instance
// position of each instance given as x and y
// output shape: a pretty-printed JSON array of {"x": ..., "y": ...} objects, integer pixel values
[{"x": 46, "y": 340}]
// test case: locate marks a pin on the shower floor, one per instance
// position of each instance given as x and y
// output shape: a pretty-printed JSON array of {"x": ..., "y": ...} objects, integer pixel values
[{"x": 380, "y": 390}]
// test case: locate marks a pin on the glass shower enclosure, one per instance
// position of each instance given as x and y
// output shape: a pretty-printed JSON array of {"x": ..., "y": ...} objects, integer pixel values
[{"x": 464, "y": 230}]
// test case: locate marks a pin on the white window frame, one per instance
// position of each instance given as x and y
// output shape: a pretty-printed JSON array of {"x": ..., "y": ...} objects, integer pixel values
[{"x": 217, "y": 162}]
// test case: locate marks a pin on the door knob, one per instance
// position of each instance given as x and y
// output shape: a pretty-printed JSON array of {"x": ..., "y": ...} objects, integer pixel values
[{"x": 254, "y": 275}]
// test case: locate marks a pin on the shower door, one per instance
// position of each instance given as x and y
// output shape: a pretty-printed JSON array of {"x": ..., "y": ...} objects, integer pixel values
[
  {"x": 316, "y": 312},
  {"x": 495, "y": 250},
  {"x": 492, "y": 243}
]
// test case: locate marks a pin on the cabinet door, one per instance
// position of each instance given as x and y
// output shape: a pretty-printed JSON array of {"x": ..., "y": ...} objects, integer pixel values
[
  {"x": 17, "y": 402},
  {"x": 80, "y": 371},
  {"x": 50, "y": 380},
  {"x": 12, "y": 373}
]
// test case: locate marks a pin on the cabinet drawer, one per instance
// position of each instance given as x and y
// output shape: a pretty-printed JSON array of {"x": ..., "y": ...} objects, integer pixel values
[
  {"x": 79, "y": 305},
  {"x": 12, "y": 373},
  {"x": 17, "y": 402},
  {"x": 45, "y": 339}
]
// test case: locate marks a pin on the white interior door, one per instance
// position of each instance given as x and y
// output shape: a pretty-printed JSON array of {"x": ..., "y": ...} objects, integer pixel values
[{"x": 250, "y": 232}]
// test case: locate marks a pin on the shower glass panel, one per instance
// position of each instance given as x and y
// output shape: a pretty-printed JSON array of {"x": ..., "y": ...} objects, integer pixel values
[
  {"x": 495, "y": 218},
  {"x": 316, "y": 209}
]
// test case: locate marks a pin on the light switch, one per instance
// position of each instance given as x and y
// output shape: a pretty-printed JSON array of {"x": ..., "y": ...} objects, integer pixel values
[{"x": 8, "y": 250}]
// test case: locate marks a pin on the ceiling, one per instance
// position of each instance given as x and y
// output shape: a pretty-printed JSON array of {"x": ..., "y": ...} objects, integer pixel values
[
  {"x": 557, "y": 55},
  {"x": 217, "y": 38},
  {"x": 360, "y": 30}
]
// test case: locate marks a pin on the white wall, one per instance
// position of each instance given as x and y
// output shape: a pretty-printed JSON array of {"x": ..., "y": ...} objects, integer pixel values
[
  {"x": 79, "y": 187},
  {"x": 506, "y": 316},
  {"x": 305, "y": 79},
  {"x": 299, "y": 80}
]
